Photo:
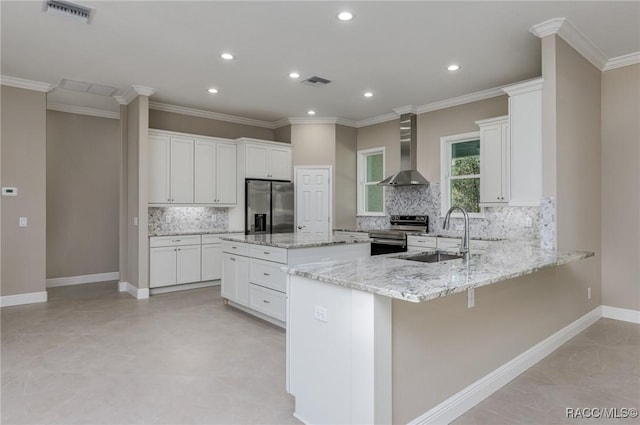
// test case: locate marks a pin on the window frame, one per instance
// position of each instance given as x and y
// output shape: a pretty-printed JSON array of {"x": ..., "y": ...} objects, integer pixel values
[
  {"x": 446, "y": 142},
  {"x": 362, "y": 181}
]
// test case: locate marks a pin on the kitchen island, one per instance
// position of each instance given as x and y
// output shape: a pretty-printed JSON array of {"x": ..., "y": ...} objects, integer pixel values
[
  {"x": 384, "y": 340},
  {"x": 252, "y": 275}
]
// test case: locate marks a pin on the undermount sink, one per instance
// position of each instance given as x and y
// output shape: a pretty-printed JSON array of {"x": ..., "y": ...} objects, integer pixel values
[{"x": 434, "y": 257}]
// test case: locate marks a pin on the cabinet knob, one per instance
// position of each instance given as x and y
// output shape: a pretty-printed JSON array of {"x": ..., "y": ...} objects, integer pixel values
[
  {"x": 266, "y": 301},
  {"x": 232, "y": 259},
  {"x": 266, "y": 274}
]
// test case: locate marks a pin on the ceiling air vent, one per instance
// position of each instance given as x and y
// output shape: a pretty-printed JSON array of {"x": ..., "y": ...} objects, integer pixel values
[
  {"x": 316, "y": 81},
  {"x": 68, "y": 10},
  {"x": 83, "y": 86}
]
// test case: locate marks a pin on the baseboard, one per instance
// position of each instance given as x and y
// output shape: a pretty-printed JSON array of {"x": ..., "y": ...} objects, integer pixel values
[
  {"x": 183, "y": 287},
  {"x": 140, "y": 294},
  {"x": 456, "y": 405},
  {"x": 20, "y": 299},
  {"x": 624, "y": 314},
  {"x": 79, "y": 280}
]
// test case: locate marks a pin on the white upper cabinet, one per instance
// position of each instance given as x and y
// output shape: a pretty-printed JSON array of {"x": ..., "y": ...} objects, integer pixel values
[
  {"x": 170, "y": 169},
  {"x": 215, "y": 172},
  {"x": 494, "y": 161},
  {"x": 525, "y": 123},
  {"x": 268, "y": 161}
]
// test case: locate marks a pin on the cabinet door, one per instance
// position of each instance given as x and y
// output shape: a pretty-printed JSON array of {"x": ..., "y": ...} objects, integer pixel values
[
  {"x": 211, "y": 262},
  {"x": 226, "y": 174},
  {"x": 229, "y": 276},
  {"x": 491, "y": 164},
  {"x": 280, "y": 163},
  {"x": 257, "y": 161},
  {"x": 188, "y": 264},
  {"x": 181, "y": 170},
  {"x": 159, "y": 163},
  {"x": 162, "y": 266},
  {"x": 205, "y": 172},
  {"x": 242, "y": 285}
]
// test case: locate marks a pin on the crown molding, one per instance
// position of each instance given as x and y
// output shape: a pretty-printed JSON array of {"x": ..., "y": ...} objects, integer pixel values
[
  {"x": 574, "y": 37},
  {"x": 377, "y": 120},
  {"x": 72, "y": 109},
  {"x": 461, "y": 100},
  {"x": 133, "y": 92},
  {"x": 21, "y": 83},
  {"x": 313, "y": 120},
  {"x": 280, "y": 123},
  {"x": 524, "y": 87},
  {"x": 211, "y": 115},
  {"x": 409, "y": 109},
  {"x": 620, "y": 61},
  {"x": 347, "y": 123}
]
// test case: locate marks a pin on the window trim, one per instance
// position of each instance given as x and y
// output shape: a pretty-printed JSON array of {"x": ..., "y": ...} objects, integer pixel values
[
  {"x": 445, "y": 171},
  {"x": 361, "y": 168}
]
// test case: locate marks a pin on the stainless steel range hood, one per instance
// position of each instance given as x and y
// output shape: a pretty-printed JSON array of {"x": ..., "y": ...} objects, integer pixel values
[{"x": 407, "y": 176}]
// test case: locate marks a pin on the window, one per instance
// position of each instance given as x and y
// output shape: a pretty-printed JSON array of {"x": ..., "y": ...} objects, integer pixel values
[
  {"x": 370, "y": 173},
  {"x": 460, "y": 172}
]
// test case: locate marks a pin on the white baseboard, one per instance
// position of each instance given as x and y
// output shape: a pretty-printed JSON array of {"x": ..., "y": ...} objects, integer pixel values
[
  {"x": 184, "y": 287},
  {"x": 456, "y": 405},
  {"x": 140, "y": 294},
  {"x": 19, "y": 299},
  {"x": 624, "y": 314},
  {"x": 79, "y": 280}
]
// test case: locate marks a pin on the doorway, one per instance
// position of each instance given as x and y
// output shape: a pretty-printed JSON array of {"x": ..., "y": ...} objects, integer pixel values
[{"x": 313, "y": 200}]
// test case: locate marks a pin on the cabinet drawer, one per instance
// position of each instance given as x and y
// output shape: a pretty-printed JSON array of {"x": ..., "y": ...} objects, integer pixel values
[
  {"x": 156, "y": 241},
  {"x": 476, "y": 246},
  {"x": 279, "y": 255},
  {"x": 266, "y": 273},
  {"x": 206, "y": 239},
  {"x": 267, "y": 301},
  {"x": 235, "y": 248},
  {"x": 448, "y": 243},
  {"x": 421, "y": 241}
]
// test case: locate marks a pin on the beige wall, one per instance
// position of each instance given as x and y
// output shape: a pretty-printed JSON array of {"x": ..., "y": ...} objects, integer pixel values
[
  {"x": 282, "y": 134},
  {"x": 83, "y": 161},
  {"x": 204, "y": 126},
  {"x": 346, "y": 177},
  {"x": 23, "y": 166},
  {"x": 431, "y": 127},
  {"x": 621, "y": 187}
]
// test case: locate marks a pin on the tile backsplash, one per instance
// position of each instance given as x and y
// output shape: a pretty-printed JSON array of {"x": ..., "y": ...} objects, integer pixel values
[
  {"x": 188, "y": 219},
  {"x": 499, "y": 222}
]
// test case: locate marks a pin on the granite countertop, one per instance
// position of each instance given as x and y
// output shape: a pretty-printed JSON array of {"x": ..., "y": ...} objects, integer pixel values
[
  {"x": 416, "y": 282},
  {"x": 353, "y": 230},
  {"x": 295, "y": 240},
  {"x": 194, "y": 232},
  {"x": 458, "y": 236}
]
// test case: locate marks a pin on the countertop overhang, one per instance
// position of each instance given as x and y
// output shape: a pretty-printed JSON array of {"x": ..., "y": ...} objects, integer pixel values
[
  {"x": 417, "y": 282},
  {"x": 295, "y": 240}
]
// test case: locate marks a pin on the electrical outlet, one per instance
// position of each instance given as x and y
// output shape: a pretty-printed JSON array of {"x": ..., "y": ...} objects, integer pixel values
[
  {"x": 588, "y": 293},
  {"x": 212, "y": 218},
  {"x": 528, "y": 222},
  {"x": 167, "y": 218},
  {"x": 471, "y": 298},
  {"x": 321, "y": 314}
]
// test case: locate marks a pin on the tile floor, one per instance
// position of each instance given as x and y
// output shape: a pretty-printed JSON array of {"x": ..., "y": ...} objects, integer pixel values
[{"x": 92, "y": 355}]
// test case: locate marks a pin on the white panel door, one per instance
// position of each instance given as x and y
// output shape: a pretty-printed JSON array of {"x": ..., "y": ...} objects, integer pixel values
[
  {"x": 159, "y": 165},
  {"x": 312, "y": 201},
  {"x": 226, "y": 174},
  {"x": 280, "y": 163},
  {"x": 162, "y": 266},
  {"x": 181, "y": 170},
  {"x": 205, "y": 172},
  {"x": 188, "y": 264},
  {"x": 257, "y": 161},
  {"x": 211, "y": 262}
]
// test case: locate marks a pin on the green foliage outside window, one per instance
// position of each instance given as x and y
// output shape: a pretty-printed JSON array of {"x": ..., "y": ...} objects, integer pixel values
[{"x": 465, "y": 164}]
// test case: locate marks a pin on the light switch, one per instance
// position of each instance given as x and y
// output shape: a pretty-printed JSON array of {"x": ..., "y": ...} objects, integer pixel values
[
  {"x": 9, "y": 191},
  {"x": 22, "y": 222},
  {"x": 135, "y": 221}
]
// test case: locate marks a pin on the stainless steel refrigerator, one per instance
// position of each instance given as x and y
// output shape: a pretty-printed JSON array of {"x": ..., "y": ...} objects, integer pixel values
[{"x": 269, "y": 207}]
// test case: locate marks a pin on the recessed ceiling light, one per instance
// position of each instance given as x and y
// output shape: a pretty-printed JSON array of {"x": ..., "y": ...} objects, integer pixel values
[
  {"x": 453, "y": 67},
  {"x": 368, "y": 94},
  {"x": 226, "y": 56},
  {"x": 213, "y": 91},
  {"x": 345, "y": 16},
  {"x": 311, "y": 112},
  {"x": 294, "y": 75}
]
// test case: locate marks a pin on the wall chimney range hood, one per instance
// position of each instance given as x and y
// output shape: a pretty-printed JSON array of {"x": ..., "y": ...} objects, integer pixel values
[{"x": 408, "y": 176}]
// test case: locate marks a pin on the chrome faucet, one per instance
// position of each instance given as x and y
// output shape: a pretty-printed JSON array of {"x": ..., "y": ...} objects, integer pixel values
[{"x": 464, "y": 244}]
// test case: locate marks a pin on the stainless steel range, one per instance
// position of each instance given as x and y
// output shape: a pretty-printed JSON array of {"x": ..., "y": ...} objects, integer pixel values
[{"x": 394, "y": 239}]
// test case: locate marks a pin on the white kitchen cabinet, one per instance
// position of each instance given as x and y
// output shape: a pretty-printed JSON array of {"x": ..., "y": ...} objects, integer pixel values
[
  {"x": 215, "y": 172},
  {"x": 235, "y": 278},
  {"x": 525, "y": 126},
  {"x": 414, "y": 241},
  {"x": 170, "y": 169},
  {"x": 280, "y": 163},
  {"x": 174, "y": 260},
  {"x": 265, "y": 161},
  {"x": 494, "y": 161},
  {"x": 211, "y": 261},
  {"x": 188, "y": 264},
  {"x": 162, "y": 266}
]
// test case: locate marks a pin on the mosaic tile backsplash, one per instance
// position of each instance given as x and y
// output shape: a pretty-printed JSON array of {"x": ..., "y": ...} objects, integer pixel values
[
  {"x": 499, "y": 222},
  {"x": 188, "y": 219}
]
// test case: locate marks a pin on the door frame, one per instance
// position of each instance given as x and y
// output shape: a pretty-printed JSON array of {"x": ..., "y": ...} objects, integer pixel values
[{"x": 295, "y": 185}]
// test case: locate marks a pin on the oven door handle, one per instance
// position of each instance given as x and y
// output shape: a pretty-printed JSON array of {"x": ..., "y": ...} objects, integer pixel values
[{"x": 389, "y": 242}]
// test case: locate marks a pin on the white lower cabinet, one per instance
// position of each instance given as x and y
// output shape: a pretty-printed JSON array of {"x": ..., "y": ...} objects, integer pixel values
[
  {"x": 267, "y": 301},
  {"x": 174, "y": 260},
  {"x": 235, "y": 278},
  {"x": 163, "y": 267},
  {"x": 188, "y": 264}
]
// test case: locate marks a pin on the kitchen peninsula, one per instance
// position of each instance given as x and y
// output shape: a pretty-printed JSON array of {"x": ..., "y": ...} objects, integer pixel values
[
  {"x": 252, "y": 275},
  {"x": 378, "y": 346}
]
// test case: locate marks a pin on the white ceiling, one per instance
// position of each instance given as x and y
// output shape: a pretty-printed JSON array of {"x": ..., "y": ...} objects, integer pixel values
[{"x": 398, "y": 50}]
